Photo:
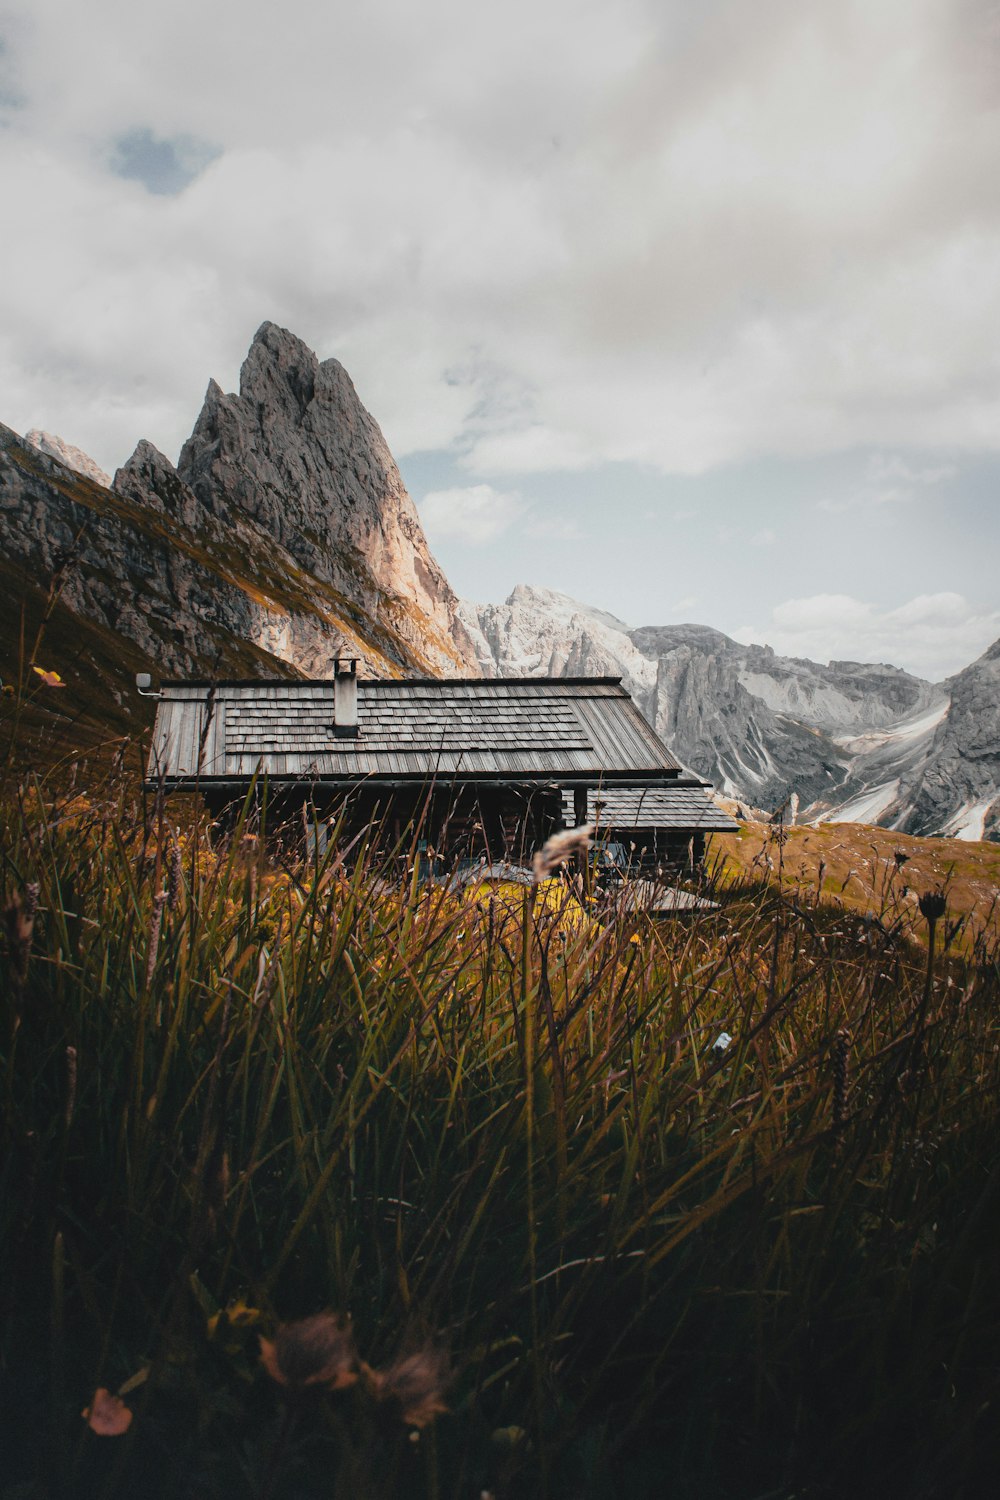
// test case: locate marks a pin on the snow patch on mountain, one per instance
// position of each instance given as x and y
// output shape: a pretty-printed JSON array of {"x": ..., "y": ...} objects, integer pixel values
[{"x": 969, "y": 823}]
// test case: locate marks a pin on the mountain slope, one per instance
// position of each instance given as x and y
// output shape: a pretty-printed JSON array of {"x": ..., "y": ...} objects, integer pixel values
[{"x": 957, "y": 788}]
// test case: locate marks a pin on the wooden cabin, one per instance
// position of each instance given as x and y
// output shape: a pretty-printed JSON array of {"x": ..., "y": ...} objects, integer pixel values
[{"x": 473, "y": 768}]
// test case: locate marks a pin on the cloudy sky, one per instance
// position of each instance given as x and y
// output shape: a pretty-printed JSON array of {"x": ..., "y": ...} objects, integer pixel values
[{"x": 688, "y": 308}]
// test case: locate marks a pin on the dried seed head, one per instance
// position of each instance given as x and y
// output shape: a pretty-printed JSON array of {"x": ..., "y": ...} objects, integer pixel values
[
  {"x": 558, "y": 849},
  {"x": 30, "y": 907},
  {"x": 19, "y": 919},
  {"x": 175, "y": 874},
  {"x": 312, "y": 1351},
  {"x": 841, "y": 1054},
  {"x": 70, "y": 1084},
  {"x": 155, "y": 923},
  {"x": 416, "y": 1382},
  {"x": 932, "y": 905}
]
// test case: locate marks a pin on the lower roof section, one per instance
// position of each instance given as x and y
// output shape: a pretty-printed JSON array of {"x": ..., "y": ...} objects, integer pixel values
[{"x": 684, "y": 806}]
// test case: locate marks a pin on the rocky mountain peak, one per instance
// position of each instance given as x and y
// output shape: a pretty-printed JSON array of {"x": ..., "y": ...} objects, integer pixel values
[
  {"x": 74, "y": 458},
  {"x": 297, "y": 455},
  {"x": 659, "y": 640},
  {"x": 149, "y": 478},
  {"x": 279, "y": 373}
]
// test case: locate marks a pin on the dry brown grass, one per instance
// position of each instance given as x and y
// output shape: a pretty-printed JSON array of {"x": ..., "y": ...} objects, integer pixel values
[{"x": 872, "y": 871}]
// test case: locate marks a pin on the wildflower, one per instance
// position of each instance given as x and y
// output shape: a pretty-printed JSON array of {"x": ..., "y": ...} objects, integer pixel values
[
  {"x": 416, "y": 1382},
  {"x": 312, "y": 1351},
  {"x": 722, "y": 1043},
  {"x": 50, "y": 679},
  {"x": 558, "y": 849},
  {"x": 238, "y": 1314},
  {"x": 107, "y": 1415}
]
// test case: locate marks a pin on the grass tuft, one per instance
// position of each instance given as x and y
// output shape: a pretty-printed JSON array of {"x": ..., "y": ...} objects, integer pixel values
[{"x": 480, "y": 1177}]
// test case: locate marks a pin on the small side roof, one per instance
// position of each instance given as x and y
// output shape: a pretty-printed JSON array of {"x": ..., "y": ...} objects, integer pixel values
[
  {"x": 563, "y": 729},
  {"x": 684, "y": 805}
]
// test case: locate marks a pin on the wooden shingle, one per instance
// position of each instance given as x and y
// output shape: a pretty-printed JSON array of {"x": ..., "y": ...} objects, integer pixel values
[{"x": 526, "y": 727}]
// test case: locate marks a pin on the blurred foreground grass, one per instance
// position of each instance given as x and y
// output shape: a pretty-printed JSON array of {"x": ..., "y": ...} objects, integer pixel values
[{"x": 495, "y": 1131}]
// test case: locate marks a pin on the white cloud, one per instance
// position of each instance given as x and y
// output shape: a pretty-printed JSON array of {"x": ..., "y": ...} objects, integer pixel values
[
  {"x": 932, "y": 635},
  {"x": 476, "y": 514},
  {"x": 888, "y": 480},
  {"x": 549, "y": 236}
]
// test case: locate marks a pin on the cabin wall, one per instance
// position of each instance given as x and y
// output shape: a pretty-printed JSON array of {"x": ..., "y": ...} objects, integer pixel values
[
  {"x": 448, "y": 824},
  {"x": 648, "y": 851}
]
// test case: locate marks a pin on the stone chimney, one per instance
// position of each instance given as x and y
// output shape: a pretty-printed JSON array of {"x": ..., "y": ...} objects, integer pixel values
[{"x": 345, "y": 698}]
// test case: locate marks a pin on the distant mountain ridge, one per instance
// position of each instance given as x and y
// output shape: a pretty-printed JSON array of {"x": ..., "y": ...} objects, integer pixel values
[{"x": 851, "y": 740}]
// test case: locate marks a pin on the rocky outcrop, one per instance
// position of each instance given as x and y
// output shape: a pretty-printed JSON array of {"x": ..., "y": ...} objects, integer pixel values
[
  {"x": 73, "y": 458},
  {"x": 957, "y": 789},
  {"x": 298, "y": 457},
  {"x": 284, "y": 538},
  {"x": 542, "y": 633},
  {"x": 126, "y": 566}
]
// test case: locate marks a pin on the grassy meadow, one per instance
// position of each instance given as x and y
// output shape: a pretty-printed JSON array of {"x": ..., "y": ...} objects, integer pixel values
[{"x": 322, "y": 1181}]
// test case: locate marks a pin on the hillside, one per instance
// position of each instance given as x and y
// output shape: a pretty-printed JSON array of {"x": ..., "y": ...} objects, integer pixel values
[{"x": 874, "y": 873}]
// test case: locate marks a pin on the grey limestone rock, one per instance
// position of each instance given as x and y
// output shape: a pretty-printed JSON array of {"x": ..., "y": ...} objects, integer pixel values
[
  {"x": 957, "y": 790},
  {"x": 298, "y": 455},
  {"x": 854, "y": 741},
  {"x": 74, "y": 458}
]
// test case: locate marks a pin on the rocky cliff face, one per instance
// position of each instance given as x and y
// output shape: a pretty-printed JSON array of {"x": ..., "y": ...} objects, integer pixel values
[
  {"x": 852, "y": 740},
  {"x": 542, "y": 633},
  {"x": 284, "y": 537},
  {"x": 754, "y": 724},
  {"x": 298, "y": 457},
  {"x": 957, "y": 788}
]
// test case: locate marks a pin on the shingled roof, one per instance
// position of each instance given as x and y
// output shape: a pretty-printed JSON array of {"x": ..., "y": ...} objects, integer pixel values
[
  {"x": 684, "y": 805},
  {"x": 567, "y": 729}
]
